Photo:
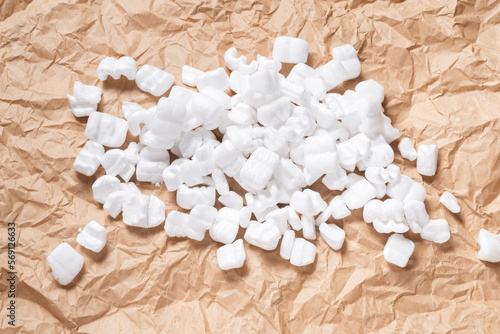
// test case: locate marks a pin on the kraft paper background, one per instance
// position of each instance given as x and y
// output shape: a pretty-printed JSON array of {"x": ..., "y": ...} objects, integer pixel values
[{"x": 439, "y": 62}]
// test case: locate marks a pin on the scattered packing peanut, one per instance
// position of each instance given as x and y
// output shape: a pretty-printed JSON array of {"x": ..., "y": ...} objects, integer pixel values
[
  {"x": 307, "y": 202},
  {"x": 381, "y": 153},
  {"x": 407, "y": 150},
  {"x": 106, "y": 129},
  {"x": 398, "y": 250},
  {"x": 226, "y": 226},
  {"x": 347, "y": 55},
  {"x": 104, "y": 186},
  {"x": 175, "y": 224},
  {"x": 287, "y": 244},
  {"x": 450, "y": 202},
  {"x": 216, "y": 78},
  {"x": 359, "y": 194},
  {"x": 387, "y": 216},
  {"x": 201, "y": 219},
  {"x": 65, "y": 263},
  {"x": 308, "y": 227},
  {"x": 152, "y": 162},
  {"x": 380, "y": 175},
  {"x": 290, "y": 50},
  {"x": 231, "y": 256},
  {"x": 85, "y": 100},
  {"x": 93, "y": 236},
  {"x": 427, "y": 159},
  {"x": 279, "y": 218},
  {"x": 405, "y": 189},
  {"x": 115, "y": 68},
  {"x": 231, "y": 200},
  {"x": 188, "y": 198},
  {"x": 490, "y": 246},
  {"x": 303, "y": 253},
  {"x": 88, "y": 160},
  {"x": 189, "y": 75},
  {"x": 153, "y": 80},
  {"x": 333, "y": 235},
  {"x": 259, "y": 168},
  {"x": 239, "y": 63},
  {"x": 436, "y": 231},
  {"x": 320, "y": 156},
  {"x": 135, "y": 210},
  {"x": 263, "y": 235},
  {"x": 416, "y": 215},
  {"x": 351, "y": 151}
]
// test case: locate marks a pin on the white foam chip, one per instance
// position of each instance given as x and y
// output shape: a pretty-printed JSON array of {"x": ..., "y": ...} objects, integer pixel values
[
  {"x": 231, "y": 200},
  {"x": 287, "y": 244},
  {"x": 276, "y": 136},
  {"x": 274, "y": 113},
  {"x": 200, "y": 220},
  {"x": 153, "y": 80},
  {"x": 380, "y": 175},
  {"x": 333, "y": 235},
  {"x": 320, "y": 156},
  {"x": 188, "y": 198},
  {"x": 450, "y": 202},
  {"x": 398, "y": 250},
  {"x": 387, "y": 216},
  {"x": 351, "y": 151},
  {"x": 228, "y": 158},
  {"x": 405, "y": 189},
  {"x": 88, "y": 160},
  {"x": 303, "y": 253},
  {"x": 279, "y": 218},
  {"x": 93, "y": 236},
  {"x": 263, "y": 235},
  {"x": 106, "y": 129},
  {"x": 293, "y": 218},
  {"x": 65, "y": 263},
  {"x": 268, "y": 64},
  {"x": 226, "y": 225},
  {"x": 308, "y": 227},
  {"x": 216, "y": 78},
  {"x": 231, "y": 256},
  {"x": 416, "y": 215},
  {"x": 427, "y": 159},
  {"x": 381, "y": 153},
  {"x": 290, "y": 50},
  {"x": 407, "y": 150},
  {"x": 437, "y": 231},
  {"x": 114, "y": 162},
  {"x": 175, "y": 224},
  {"x": 348, "y": 57},
  {"x": 289, "y": 175},
  {"x": 235, "y": 63},
  {"x": 104, "y": 186},
  {"x": 357, "y": 195},
  {"x": 135, "y": 210},
  {"x": 189, "y": 75},
  {"x": 259, "y": 168},
  {"x": 114, "y": 203},
  {"x": 490, "y": 246},
  {"x": 156, "y": 211},
  {"x": 85, "y": 99},
  {"x": 115, "y": 68},
  {"x": 307, "y": 202}
]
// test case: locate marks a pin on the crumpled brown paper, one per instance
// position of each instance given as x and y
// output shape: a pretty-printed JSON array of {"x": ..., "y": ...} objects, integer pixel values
[{"x": 440, "y": 64}]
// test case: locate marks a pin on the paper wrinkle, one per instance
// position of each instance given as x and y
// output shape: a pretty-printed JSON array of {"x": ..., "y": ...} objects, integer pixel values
[{"x": 440, "y": 65}]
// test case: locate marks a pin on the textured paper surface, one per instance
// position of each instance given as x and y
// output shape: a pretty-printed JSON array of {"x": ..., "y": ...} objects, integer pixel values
[{"x": 439, "y": 62}]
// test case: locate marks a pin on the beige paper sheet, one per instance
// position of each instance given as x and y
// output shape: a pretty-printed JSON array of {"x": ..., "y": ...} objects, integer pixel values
[{"x": 440, "y": 64}]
